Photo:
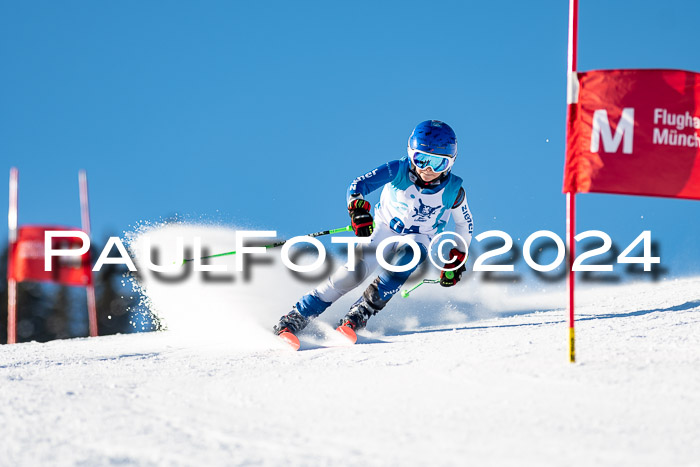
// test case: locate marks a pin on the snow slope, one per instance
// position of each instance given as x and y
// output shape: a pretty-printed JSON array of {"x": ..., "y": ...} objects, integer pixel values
[{"x": 473, "y": 375}]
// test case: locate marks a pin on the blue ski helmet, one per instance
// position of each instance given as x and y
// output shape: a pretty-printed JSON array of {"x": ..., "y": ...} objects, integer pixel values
[{"x": 434, "y": 137}]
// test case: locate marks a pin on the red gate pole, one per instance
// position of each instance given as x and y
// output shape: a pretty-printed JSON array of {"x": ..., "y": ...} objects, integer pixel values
[
  {"x": 12, "y": 238},
  {"x": 572, "y": 98},
  {"x": 85, "y": 223},
  {"x": 570, "y": 234}
]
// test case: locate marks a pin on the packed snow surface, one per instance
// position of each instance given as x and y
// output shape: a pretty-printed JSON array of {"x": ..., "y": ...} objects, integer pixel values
[{"x": 475, "y": 375}]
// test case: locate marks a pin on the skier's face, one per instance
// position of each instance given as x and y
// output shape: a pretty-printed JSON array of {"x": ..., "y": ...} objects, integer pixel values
[{"x": 427, "y": 174}]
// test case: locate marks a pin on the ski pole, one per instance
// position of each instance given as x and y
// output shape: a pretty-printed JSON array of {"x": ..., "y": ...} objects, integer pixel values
[
  {"x": 448, "y": 274},
  {"x": 280, "y": 243}
]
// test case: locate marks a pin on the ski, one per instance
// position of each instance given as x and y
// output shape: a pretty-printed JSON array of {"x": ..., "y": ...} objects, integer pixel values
[
  {"x": 290, "y": 339},
  {"x": 348, "y": 332}
]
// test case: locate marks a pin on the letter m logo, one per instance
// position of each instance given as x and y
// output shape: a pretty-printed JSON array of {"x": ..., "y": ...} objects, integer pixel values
[{"x": 624, "y": 132}]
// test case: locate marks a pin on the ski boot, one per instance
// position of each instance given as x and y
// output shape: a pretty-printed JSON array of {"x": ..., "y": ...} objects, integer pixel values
[
  {"x": 289, "y": 325},
  {"x": 355, "y": 320}
]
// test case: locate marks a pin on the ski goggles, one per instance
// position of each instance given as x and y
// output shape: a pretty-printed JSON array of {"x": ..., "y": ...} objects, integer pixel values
[{"x": 437, "y": 162}]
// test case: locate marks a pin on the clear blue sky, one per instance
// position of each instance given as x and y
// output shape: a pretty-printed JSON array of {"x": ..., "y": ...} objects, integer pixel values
[{"x": 258, "y": 114}]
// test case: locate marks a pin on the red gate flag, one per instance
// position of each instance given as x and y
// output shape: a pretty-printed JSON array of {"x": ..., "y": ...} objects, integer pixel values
[
  {"x": 634, "y": 132},
  {"x": 27, "y": 258}
]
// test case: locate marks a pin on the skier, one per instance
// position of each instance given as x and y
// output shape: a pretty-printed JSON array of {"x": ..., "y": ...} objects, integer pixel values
[{"x": 419, "y": 194}]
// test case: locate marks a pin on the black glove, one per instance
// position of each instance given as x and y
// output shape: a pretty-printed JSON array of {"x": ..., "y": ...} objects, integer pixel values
[
  {"x": 362, "y": 222},
  {"x": 456, "y": 257}
]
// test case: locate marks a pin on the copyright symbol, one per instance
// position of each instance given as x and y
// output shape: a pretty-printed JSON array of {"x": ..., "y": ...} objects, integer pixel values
[{"x": 436, "y": 249}]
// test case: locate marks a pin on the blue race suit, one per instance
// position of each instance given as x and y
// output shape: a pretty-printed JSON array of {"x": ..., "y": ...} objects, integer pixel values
[{"x": 408, "y": 208}]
